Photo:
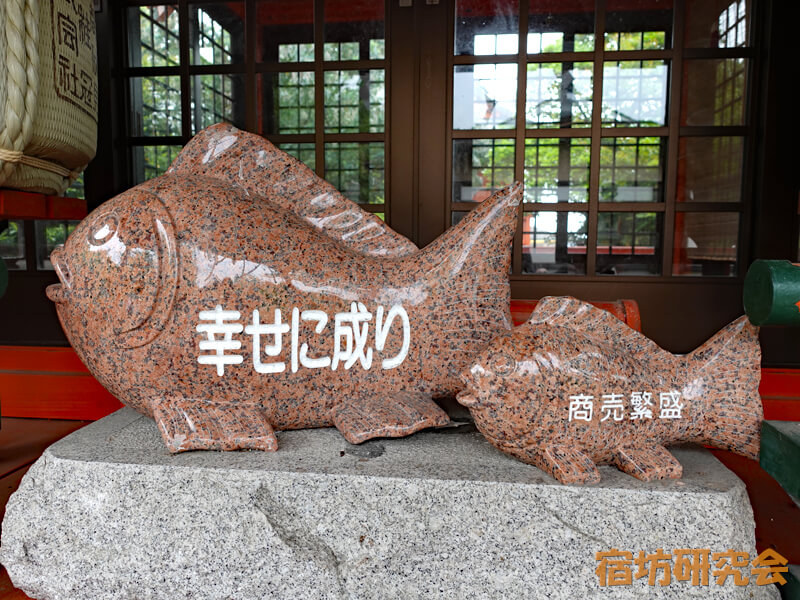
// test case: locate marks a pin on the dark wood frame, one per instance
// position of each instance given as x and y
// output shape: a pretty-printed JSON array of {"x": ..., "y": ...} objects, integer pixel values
[
  {"x": 673, "y": 132},
  {"x": 419, "y": 84},
  {"x": 679, "y": 312},
  {"x": 250, "y": 68}
]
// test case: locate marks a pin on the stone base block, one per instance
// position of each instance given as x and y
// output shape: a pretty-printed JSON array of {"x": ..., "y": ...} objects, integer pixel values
[{"x": 108, "y": 513}]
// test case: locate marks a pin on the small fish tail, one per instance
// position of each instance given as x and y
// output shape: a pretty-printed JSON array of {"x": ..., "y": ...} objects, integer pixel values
[{"x": 728, "y": 368}]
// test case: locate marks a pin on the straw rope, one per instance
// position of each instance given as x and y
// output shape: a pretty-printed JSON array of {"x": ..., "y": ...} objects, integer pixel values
[
  {"x": 18, "y": 157},
  {"x": 32, "y": 67},
  {"x": 21, "y": 81},
  {"x": 2, "y": 67},
  {"x": 48, "y": 93}
]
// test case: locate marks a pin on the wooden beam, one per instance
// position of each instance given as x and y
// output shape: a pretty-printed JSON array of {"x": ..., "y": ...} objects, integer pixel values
[
  {"x": 28, "y": 205},
  {"x": 49, "y": 382}
]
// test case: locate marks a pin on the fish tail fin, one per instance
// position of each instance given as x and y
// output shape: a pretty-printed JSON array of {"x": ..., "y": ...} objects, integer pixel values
[
  {"x": 467, "y": 270},
  {"x": 728, "y": 368}
]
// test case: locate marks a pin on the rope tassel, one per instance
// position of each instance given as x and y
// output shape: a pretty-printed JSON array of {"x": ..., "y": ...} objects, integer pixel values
[{"x": 15, "y": 156}]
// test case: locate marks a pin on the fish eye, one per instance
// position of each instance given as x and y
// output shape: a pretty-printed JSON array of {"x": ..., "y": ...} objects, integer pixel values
[
  {"x": 502, "y": 364},
  {"x": 104, "y": 230}
]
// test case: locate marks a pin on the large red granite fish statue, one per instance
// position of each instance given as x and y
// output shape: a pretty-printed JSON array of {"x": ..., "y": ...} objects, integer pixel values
[
  {"x": 574, "y": 387},
  {"x": 239, "y": 294}
]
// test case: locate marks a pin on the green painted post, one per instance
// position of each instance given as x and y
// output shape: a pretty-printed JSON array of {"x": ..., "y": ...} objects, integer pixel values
[
  {"x": 780, "y": 453},
  {"x": 772, "y": 293},
  {"x": 791, "y": 591}
]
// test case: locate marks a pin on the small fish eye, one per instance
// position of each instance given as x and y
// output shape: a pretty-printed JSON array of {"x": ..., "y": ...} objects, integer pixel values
[
  {"x": 503, "y": 364},
  {"x": 103, "y": 231}
]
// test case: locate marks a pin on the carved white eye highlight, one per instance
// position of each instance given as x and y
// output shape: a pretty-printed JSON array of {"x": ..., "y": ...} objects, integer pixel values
[{"x": 104, "y": 231}]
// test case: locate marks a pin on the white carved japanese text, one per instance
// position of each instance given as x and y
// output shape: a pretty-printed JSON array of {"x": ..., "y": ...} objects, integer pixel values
[{"x": 267, "y": 332}]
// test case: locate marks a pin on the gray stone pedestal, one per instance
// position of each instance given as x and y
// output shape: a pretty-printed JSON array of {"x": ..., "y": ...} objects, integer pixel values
[{"x": 107, "y": 513}]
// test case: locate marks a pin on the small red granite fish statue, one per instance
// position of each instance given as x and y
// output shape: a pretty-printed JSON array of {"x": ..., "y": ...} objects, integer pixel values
[
  {"x": 575, "y": 387},
  {"x": 239, "y": 294}
]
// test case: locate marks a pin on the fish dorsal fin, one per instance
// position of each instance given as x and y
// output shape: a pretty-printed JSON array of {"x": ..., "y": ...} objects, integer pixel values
[
  {"x": 263, "y": 171},
  {"x": 566, "y": 311}
]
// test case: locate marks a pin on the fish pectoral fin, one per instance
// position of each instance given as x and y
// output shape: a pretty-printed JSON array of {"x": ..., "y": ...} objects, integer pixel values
[
  {"x": 567, "y": 463},
  {"x": 647, "y": 462},
  {"x": 397, "y": 414},
  {"x": 191, "y": 424}
]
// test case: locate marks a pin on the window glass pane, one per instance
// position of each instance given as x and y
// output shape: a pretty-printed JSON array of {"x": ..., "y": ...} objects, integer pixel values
[
  {"x": 457, "y": 215},
  {"x": 153, "y": 36},
  {"x": 557, "y": 169},
  {"x": 76, "y": 188},
  {"x": 303, "y": 152},
  {"x": 560, "y": 26},
  {"x": 12, "y": 245},
  {"x": 341, "y": 51},
  {"x": 635, "y": 40},
  {"x": 286, "y": 102},
  {"x": 718, "y": 23},
  {"x": 487, "y": 28},
  {"x": 377, "y": 51},
  {"x": 289, "y": 53},
  {"x": 485, "y": 96},
  {"x": 217, "y": 98},
  {"x": 355, "y": 101},
  {"x": 705, "y": 244},
  {"x": 216, "y": 33},
  {"x": 635, "y": 93},
  {"x": 155, "y": 106},
  {"x": 710, "y": 169},
  {"x": 353, "y": 30},
  {"x": 638, "y": 25},
  {"x": 629, "y": 243},
  {"x": 559, "y": 95},
  {"x": 50, "y": 235},
  {"x": 152, "y": 161},
  {"x": 632, "y": 169},
  {"x": 715, "y": 93},
  {"x": 554, "y": 242},
  {"x": 357, "y": 170},
  {"x": 480, "y": 167},
  {"x": 284, "y": 31}
]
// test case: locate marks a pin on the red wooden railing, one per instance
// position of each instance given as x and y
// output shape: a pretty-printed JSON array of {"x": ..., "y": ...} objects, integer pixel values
[
  {"x": 52, "y": 382},
  {"x": 28, "y": 205}
]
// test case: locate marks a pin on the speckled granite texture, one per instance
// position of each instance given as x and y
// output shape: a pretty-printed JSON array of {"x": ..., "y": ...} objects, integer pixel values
[
  {"x": 575, "y": 386},
  {"x": 109, "y": 513},
  {"x": 240, "y": 279}
]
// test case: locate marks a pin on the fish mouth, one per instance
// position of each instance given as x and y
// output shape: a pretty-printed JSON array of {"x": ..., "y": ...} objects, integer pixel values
[
  {"x": 477, "y": 392},
  {"x": 468, "y": 399},
  {"x": 59, "y": 292},
  {"x": 468, "y": 396},
  {"x": 56, "y": 293}
]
